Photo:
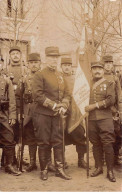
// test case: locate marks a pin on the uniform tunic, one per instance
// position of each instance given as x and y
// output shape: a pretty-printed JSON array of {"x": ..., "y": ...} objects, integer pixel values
[
  {"x": 15, "y": 73},
  {"x": 48, "y": 87},
  {"x": 101, "y": 127}
]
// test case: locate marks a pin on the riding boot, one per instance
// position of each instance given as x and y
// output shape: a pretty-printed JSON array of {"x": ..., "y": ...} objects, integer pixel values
[
  {"x": 58, "y": 151},
  {"x": 50, "y": 166},
  {"x": 97, "y": 151},
  {"x": 32, "y": 152},
  {"x": 81, "y": 161},
  {"x": 109, "y": 157},
  {"x": 9, "y": 153},
  {"x": 43, "y": 162},
  {"x": 81, "y": 150}
]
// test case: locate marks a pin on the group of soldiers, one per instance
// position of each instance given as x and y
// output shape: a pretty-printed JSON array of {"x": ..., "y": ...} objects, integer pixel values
[{"x": 47, "y": 108}]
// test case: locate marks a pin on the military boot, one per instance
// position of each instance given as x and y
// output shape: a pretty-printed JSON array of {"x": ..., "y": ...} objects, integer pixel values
[
  {"x": 43, "y": 163},
  {"x": 81, "y": 161},
  {"x": 109, "y": 157},
  {"x": 50, "y": 166},
  {"x": 44, "y": 174},
  {"x": 60, "y": 171},
  {"x": 59, "y": 164},
  {"x": 32, "y": 152},
  {"x": 98, "y": 162},
  {"x": 9, "y": 152}
]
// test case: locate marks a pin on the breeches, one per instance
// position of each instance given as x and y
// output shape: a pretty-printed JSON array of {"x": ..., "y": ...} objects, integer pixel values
[
  {"x": 101, "y": 132},
  {"x": 6, "y": 137},
  {"x": 47, "y": 130}
]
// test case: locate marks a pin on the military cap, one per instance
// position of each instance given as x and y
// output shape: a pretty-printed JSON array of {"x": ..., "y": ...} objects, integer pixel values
[
  {"x": 107, "y": 58},
  {"x": 1, "y": 57},
  {"x": 52, "y": 51},
  {"x": 14, "y": 48},
  {"x": 66, "y": 60},
  {"x": 34, "y": 57},
  {"x": 97, "y": 64}
]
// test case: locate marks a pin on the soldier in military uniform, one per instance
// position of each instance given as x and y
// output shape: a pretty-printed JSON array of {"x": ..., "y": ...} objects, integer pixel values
[
  {"x": 34, "y": 62},
  {"x": 51, "y": 96},
  {"x": 101, "y": 128},
  {"x": 76, "y": 134},
  {"x": 7, "y": 120},
  {"x": 109, "y": 75},
  {"x": 15, "y": 72}
]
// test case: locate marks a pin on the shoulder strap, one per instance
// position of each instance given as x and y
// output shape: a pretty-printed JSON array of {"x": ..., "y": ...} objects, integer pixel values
[{"x": 96, "y": 84}]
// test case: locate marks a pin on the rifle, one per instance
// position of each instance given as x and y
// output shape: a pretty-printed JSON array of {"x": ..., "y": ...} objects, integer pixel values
[
  {"x": 21, "y": 129},
  {"x": 87, "y": 144}
]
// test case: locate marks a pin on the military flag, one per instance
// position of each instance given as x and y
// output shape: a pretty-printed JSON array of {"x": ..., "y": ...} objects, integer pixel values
[{"x": 81, "y": 91}]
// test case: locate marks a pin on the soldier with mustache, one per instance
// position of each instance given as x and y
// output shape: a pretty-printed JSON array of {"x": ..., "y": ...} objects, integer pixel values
[{"x": 101, "y": 128}]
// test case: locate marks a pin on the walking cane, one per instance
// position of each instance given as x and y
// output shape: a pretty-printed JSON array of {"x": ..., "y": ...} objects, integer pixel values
[
  {"x": 62, "y": 126},
  {"x": 87, "y": 145}
]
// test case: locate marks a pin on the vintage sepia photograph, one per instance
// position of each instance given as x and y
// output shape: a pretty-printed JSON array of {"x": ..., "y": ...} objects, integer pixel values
[{"x": 60, "y": 96}]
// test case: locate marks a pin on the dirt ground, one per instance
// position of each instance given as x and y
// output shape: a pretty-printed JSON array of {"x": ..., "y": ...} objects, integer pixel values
[{"x": 30, "y": 182}]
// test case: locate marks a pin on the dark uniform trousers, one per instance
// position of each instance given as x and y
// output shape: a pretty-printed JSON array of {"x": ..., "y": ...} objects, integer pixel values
[
  {"x": 7, "y": 143},
  {"x": 101, "y": 127},
  {"x": 6, "y": 137},
  {"x": 101, "y": 135},
  {"x": 49, "y": 132}
]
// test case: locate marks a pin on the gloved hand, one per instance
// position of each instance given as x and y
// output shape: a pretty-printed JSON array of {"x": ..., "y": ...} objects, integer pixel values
[
  {"x": 12, "y": 122},
  {"x": 62, "y": 110},
  {"x": 61, "y": 105}
]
